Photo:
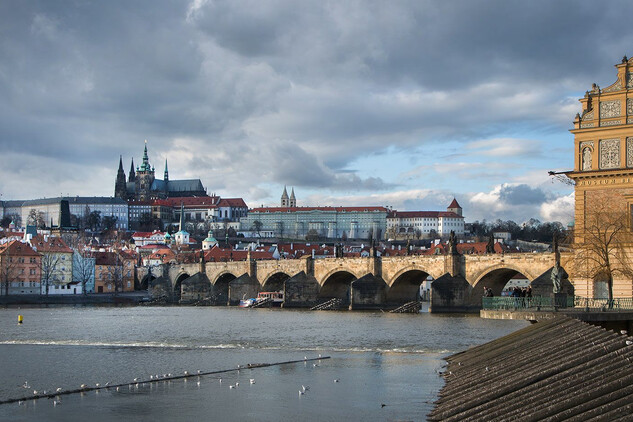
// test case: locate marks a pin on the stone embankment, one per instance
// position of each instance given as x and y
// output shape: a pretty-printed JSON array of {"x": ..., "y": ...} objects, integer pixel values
[
  {"x": 555, "y": 370},
  {"x": 89, "y": 299}
]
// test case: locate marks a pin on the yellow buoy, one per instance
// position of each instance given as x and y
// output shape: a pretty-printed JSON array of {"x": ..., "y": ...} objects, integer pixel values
[{"x": 20, "y": 319}]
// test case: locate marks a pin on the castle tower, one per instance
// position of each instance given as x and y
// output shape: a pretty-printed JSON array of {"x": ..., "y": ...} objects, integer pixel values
[
  {"x": 132, "y": 175},
  {"x": 293, "y": 200},
  {"x": 454, "y": 207},
  {"x": 144, "y": 178},
  {"x": 285, "y": 201},
  {"x": 120, "y": 190}
]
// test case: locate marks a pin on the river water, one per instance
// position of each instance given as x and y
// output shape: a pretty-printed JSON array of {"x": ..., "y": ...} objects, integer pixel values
[{"x": 377, "y": 358}]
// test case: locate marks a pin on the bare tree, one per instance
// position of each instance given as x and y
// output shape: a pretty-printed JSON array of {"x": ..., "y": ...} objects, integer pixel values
[
  {"x": 83, "y": 269},
  {"x": 36, "y": 218},
  {"x": 115, "y": 274},
  {"x": 257, "y": 226},
  {"x": 603, "y": 248},
  {"x": 48, "y": 267},
  {"x": 8, "y": 268}
]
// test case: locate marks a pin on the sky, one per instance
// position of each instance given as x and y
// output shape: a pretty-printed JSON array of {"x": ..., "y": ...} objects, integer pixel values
[{"x": 401, "y": 103}]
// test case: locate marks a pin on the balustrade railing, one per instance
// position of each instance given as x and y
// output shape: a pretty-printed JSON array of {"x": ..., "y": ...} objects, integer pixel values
[{"x": 548, "y": 303}]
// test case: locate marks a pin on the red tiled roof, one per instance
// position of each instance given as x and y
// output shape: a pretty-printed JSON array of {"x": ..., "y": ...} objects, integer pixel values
[
  {"x": 147, "y": 234},
  {"x": 306, "y": 209},
  {"x": 232, "y": 202},
  {"x": 193, "y": 202},
  {"x": 105, "y": 258},
  {"x": 454, "y": 204},
  {"x": 17, "y": 248},
  {"x": 218, "y": 254},
  {"x": 423, "y": 214},
  {"x": 52, "y": 244}
]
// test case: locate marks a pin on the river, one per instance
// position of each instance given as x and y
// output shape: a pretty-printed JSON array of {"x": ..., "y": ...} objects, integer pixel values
[{"x": 377, "y": 358}]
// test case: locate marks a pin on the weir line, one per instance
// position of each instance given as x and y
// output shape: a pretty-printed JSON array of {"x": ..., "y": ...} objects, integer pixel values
[{"x": 56, "y": 394}]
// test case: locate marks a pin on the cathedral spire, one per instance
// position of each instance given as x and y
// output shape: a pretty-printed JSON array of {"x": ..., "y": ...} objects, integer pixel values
[
  {"x": 132, "y": 175},
  {"x": 119, "y": 185},
  {"x": 293, "y": 200},
  {"x": 284, "y": 198},
  {"x": 145, "y": 166},
  {"x": 166, "y": 177},
  {"x": 182, "y": 216}
]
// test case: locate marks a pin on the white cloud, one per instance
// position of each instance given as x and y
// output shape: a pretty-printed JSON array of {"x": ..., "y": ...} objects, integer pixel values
[{"x": 559, "y": 209}]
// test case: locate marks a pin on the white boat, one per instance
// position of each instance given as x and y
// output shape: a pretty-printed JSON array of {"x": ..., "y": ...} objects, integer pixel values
[
  {"x": 247, "y": 303},
  {"x": 275, "y": 298}
]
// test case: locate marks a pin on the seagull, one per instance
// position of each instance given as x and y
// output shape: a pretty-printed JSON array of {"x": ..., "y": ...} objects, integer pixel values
[
  {"x": 301, "y": 393},
  {"x": 117, "y": 389},
  {"x": 186, "y": 373},
  {"x": 305, "y": 388},
  {"x": 629, "y": 342},
  {"x": 237, "y": 384},
  {"x": 20, "y": 402},
  {"x": 382, "y": 405},
  {"x": 169, "y": 375},
  {"x": 305, "y": 358},
  {"x": 220, "y": 380},
  {"x": 107, "y": 383},
  {"x": 252, "y": 380},
  {"x": 315, "y": 365},
  {"x": 35, "y": 392},
  {"x": 58, "y": 390},
  {"x": 26, "y": 384},
  {"x": 135, "y": 379},
  {"x": 151, "y": 377},
  {"x": 231, "y": 387},
  {"x": 199, "y": 371},
  {"x": 97, "y": 385},
  {"x": 623, "y": 332},
  {"x": 198, "y": 383},
  {"x": 336, "y": 380},
  {"x": 319, "y": 355},
  {"x": 56, "y": 402}
]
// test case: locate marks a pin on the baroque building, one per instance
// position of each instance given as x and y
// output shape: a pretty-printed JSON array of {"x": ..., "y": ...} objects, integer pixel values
[
  {"x": 603, "y": 164},
  {"x": 142, "y": 184}
]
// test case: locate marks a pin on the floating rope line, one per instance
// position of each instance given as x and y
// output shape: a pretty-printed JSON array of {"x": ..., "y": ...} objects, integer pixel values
[{"x": 186, "y": 375}]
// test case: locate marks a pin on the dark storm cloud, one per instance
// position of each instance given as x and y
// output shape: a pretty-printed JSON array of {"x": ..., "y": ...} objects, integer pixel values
[
  {"x": 82, "y": 82},
  {"x": 521, "y": 195}
]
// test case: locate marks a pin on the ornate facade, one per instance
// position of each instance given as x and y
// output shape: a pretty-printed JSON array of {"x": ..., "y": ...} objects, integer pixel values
[
  {"x": 603, "y": 159},
  {"x": 142, "y": 185}
]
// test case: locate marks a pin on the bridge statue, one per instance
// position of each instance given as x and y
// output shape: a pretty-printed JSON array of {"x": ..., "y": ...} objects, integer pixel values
[
  {"x": 452, "y": 244},
  {"x": 490, "y": 246},
  {"x": 558, "y": 275}
]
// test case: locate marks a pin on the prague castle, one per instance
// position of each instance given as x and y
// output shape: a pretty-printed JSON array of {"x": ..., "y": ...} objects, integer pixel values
[{"x": 142, "y": 185}]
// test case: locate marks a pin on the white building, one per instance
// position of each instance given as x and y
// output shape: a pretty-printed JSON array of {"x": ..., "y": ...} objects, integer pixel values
[
  {"x": 53, "y": 210},
  {"x": 426, "y": 223}
]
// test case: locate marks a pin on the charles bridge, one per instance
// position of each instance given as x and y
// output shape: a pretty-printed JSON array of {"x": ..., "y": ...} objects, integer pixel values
[{"x": 359, "y": 283}]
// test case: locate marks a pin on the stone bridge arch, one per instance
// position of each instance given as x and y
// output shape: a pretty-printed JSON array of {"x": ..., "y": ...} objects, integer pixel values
[
  {"x": 405, "y": 285},
  {"x": 337, "y": 284},
  {"x": 221, "y": 286},
  {"x": 177, "y": 289},
  {"x": 275, "y": 281}
]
